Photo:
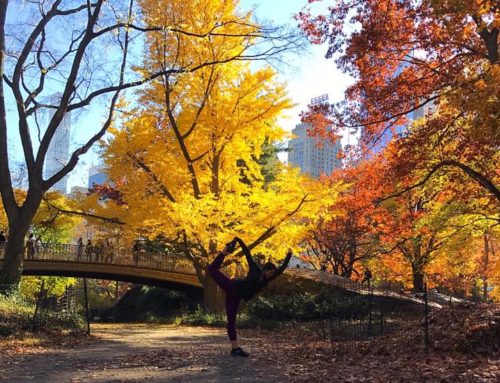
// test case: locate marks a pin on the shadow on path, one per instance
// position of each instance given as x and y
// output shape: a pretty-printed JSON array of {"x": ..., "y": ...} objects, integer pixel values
[{"x": 143, "y": 353}]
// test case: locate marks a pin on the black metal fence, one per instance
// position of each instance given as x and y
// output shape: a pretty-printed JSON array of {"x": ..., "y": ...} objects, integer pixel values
[{"x": 363, "y": 317}]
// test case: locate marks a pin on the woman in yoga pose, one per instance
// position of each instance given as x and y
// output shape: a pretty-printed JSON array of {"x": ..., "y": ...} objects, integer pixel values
[{"x": 237, "y": 289}]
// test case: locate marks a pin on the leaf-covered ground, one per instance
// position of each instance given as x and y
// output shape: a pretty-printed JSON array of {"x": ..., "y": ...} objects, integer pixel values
[{"x": 464, "y": 348}]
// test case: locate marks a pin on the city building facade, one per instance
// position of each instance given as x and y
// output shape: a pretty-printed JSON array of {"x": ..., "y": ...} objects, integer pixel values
[
  {"x": 58, "y": 152},
  {"x": 313, "y": 155},
  {"x": 97, "y": 176}
]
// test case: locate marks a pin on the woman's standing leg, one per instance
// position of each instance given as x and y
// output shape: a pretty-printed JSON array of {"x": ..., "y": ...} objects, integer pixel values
[
  {"x": 231, "y": 301},
  {"x": 231, "y": 312},
  {"x": 232, "y": 304}
]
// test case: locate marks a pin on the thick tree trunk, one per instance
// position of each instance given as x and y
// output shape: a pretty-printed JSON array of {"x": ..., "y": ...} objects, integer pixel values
[
  {"x": 418, "y": 278},
  {"x": 347, "y": 272},
  {"x": 14, "y": 254},
  {"x": 14, "y": 251},
  {"x": 214, "y": 184}
]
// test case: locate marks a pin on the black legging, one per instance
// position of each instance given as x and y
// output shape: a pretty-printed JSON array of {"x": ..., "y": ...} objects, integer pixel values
[{"x": 231, "y": 301}]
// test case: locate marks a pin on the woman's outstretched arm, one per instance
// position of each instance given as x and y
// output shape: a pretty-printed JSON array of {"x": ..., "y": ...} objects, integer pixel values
[
  {"x": 284, "y": 265},
  {"x": 248, "y": 255}
]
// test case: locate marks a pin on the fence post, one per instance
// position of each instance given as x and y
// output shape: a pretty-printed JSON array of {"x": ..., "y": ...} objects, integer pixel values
[
  {"x": 370, "y": 315},
  {"x": 426, "y": 319},
  {"x": 331, "y": 334},
  {"x": 323, "y": 324},
  {"x": 381, "y": 319},
  {"x": 87, "y": 314}
]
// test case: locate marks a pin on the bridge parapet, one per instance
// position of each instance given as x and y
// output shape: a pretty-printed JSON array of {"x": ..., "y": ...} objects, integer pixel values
[{"x": 55, "y": 252}]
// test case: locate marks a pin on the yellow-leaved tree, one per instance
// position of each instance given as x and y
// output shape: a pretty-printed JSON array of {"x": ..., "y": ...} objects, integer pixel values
[{"x": 188, "y": 159}]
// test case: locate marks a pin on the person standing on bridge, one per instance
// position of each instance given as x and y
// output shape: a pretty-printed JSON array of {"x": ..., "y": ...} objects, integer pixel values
[
  {"x": 31, "y": 246},
  {"x": 79, "y": 249},
  {"x": 237, "y": 289},
  {"x": 89, "y": 250},
  {"x": 368, "y": 276}
]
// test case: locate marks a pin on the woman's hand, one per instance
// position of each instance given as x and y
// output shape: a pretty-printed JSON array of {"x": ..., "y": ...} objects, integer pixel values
[{"x": 230, "y": 246}]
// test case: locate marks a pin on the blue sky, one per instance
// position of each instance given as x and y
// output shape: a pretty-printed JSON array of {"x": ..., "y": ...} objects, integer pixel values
[{"x": 308, "y": 75}]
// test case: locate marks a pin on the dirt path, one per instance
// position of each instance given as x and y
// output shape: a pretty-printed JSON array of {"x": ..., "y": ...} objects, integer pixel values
[{"x": 143, "y": 353}]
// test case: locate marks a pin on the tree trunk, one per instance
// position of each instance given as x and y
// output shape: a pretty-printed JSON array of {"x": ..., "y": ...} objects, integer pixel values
[
  {"x": 14, "y": 254},
  {"x": 347, "y": 273},
  {"x": 214, "y": 184},
  {"x": 210, "y": 296},
  {"x": 485, "y": 288},
  {"x": 418, "y": 278},
  {"x": 486, "y": 261},
  {"x": 15, "y": 248},
  {"x": 41, "y": 295}
]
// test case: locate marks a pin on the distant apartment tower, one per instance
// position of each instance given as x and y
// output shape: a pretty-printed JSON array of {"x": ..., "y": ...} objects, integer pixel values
[
  {"x": 58, "y": 152},
  {"x": 97, "y": 176},
  {"x": 314, "y": 156}
]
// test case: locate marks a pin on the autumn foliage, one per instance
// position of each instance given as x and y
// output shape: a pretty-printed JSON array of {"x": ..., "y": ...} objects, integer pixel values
[
  {"x": 425, "y": 105},
  {"x": 437, "y": 59},
  {"x": 190, "y": 157}
]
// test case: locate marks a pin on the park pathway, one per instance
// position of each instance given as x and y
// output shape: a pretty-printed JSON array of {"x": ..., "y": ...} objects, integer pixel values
[{"x": 143, "y": 353}]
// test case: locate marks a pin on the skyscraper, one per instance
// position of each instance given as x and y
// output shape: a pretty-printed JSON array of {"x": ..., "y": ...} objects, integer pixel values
[
  {"x": 314, "y": 156},
  {"x": 97, "y": 176},
  {"x": 58, "y": 152}
]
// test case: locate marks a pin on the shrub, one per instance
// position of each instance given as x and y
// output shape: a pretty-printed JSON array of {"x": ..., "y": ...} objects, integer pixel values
[
  {"x": 57, "y": 321},
  {"x": 308, "y": 306},
  {"x": 202, "y": 318},
  {"x": 16, "y": 314}
]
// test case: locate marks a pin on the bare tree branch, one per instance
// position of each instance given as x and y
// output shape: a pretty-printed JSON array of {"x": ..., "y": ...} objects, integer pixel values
[
  {"x": 115, "y": 221},
  {"x": 481, "y": 179}
]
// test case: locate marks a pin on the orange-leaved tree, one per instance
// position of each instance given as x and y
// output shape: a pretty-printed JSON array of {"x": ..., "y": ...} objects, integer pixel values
[
  {"x": 468, "y": 263},
  {"x": 350, "y": 235},
  {"x": 411, "y": 58}
]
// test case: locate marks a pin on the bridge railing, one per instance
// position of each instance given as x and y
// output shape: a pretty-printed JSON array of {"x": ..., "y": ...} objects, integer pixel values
[{"x": 119, "y": 256}]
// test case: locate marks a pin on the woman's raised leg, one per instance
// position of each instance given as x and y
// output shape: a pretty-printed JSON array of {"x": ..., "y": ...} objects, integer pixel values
[{"x": 222, "y": 280}]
